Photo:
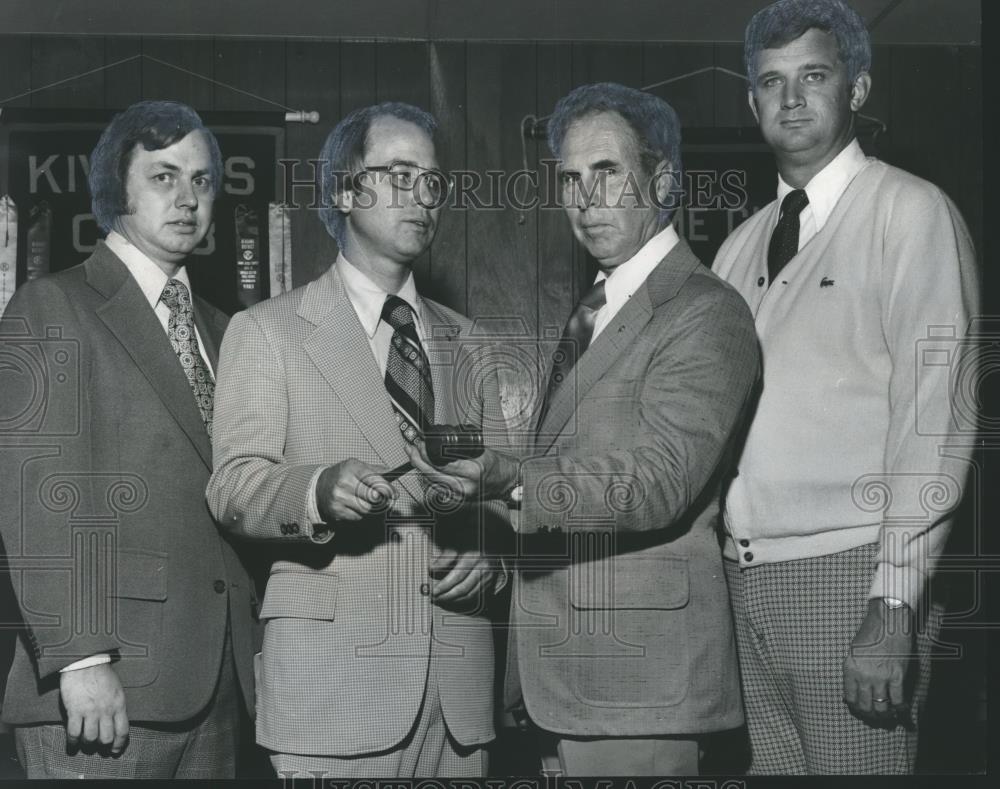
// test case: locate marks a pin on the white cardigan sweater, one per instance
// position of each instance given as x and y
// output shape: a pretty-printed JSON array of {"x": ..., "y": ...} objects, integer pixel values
[{"x": 854, "y": 439}]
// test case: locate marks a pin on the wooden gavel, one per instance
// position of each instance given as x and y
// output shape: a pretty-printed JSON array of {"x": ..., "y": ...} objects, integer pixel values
[{"x": 445, "y": 443}]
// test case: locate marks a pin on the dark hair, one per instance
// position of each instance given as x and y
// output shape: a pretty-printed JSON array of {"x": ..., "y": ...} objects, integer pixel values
[
  {"x": 787, "y": 20},
  {"x": 655, "y": 124},
  {"x": 344, "y": 151},
  {"x": 154, "y": 125}
]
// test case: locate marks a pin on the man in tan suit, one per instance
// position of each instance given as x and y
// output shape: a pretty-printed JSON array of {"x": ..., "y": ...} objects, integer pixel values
[
  {"x": 622, "y": 645},
  {"x": 377, "y": 656}
]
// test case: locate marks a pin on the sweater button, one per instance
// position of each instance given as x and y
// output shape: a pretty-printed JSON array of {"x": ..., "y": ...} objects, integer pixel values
[
  {"x": 761, "y": 281},
  {"x": 219, "y": 586},
  {"x": 748, "y": 556},
  {"x": 425, "y": 589},
  {"x": 745, "y": 543}
]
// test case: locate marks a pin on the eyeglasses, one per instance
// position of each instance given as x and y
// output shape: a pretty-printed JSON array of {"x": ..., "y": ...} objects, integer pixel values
[{"x": 430, "y": 183}]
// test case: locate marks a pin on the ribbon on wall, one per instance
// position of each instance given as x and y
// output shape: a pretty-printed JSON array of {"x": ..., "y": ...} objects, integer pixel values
[{"x": 8, "y": 250}]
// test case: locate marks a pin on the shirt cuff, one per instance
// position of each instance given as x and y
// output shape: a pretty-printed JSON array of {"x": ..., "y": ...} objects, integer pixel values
[
  {"x": 321, "y": 532},
  {"x": 902, "y": 583},
  {"x": 312, "y": 508},
  {"x": 87, "y": 662}
]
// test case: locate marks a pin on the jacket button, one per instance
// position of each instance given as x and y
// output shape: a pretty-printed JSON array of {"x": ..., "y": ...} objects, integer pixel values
[
  {"x": 748, "y": 556},
  {"x": 745, "y": 543},
  {"x": 219, "y": 586},
  {"x": 760, "y": 282},
  {"x": 425, "y": 589}
]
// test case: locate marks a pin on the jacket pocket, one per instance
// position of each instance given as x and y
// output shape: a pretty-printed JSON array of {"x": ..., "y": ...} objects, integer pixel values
[
  {"x": 301, "y": 596},
  {"x": 141, "y": 575},
  {"x": 630, "y": 582}
]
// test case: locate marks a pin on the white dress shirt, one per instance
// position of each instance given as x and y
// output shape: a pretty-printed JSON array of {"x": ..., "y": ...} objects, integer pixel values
[
  {"x": 824, "y": 190},
  {"x": 628, "y": 277},
  {"x": 151, "y": 280}
]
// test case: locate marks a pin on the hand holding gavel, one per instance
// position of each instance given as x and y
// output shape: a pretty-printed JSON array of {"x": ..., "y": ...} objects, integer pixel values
[{"x": 443, "y": 444}]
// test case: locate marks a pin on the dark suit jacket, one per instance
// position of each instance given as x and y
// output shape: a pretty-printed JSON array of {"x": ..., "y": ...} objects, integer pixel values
[
  {"x": 103, "y": 510},
  {"x": 620, "y": 618}
]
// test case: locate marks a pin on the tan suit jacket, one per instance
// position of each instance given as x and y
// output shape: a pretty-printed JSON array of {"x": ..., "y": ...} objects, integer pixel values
[
  {"x": 349, "y": 622},
  {"x": 621, "y": 621}
]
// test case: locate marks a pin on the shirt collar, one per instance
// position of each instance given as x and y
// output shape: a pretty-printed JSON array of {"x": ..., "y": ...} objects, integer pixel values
[
  {"x": 627, "y": 278},
  {"x": 826, "y": 187},
  {"x": 149, "y": 276},
  {"x": 368, "y": 298}
]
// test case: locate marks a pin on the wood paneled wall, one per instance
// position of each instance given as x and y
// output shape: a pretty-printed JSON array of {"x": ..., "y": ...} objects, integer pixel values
[{"x": 491, "y": 263}]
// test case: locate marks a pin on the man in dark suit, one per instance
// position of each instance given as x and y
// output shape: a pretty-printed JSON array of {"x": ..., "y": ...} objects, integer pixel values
[
  {"x": 137, "y": 613},
  {"x": 621, "y": 642}
]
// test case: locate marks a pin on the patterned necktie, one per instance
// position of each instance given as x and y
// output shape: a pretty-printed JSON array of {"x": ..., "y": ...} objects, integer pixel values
[
  {"x": 785, "y": 239},
  {"x": 575, "y": 340},
  {"x": 180, "y": 331},
  {"x": 407, "y": 372}
]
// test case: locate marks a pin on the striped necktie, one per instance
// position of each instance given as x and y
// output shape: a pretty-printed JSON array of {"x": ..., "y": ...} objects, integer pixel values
[
  {"x": 575, "y": 340},
  {"x": 407, "y": 372},
  {"x": 180, "y": 332}
]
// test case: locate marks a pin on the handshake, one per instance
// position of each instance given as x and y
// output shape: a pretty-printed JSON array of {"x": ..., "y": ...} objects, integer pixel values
[{"x": 451, "y": 457}]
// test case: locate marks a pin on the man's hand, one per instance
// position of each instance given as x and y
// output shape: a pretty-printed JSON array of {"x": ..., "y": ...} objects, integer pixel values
[
  {"x": 488, "y": 476},
  {"x": 95, "y": 708},
  {"x": 875, "y": 668},
  {"x": 350, "y": 490},
  {"x": 461, "y": 577}
]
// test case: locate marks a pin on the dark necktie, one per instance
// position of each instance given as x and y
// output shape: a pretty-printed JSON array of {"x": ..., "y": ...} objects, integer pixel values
[
  {"x": 180, "y": 332},
  {"x": 407, "y": 372},
  {"x": 575, "y": 340},
  {"x": 785, "y": 239}
]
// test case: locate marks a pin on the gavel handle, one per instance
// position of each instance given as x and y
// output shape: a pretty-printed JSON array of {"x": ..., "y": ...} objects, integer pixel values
[{"x": 396, "y": 473}]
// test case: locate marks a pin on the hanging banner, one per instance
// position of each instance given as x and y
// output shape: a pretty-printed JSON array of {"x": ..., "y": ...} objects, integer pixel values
[
  {"x": 48, "y": 159},
  {"x": 248, "y": 255},
  {"x": 279, "y": 231},
  {"x": 39, "y": 240},
  {"x": 8, "y": 250}
]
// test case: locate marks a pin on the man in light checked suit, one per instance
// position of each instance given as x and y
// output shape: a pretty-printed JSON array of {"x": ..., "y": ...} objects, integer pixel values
[{"x": 377, "y": 656}]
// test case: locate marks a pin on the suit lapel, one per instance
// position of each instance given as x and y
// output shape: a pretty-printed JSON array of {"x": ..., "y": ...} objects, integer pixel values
[
  {"x": 129, "y": 318},
  {"x": 342, "y": 353},
  {"x": 618, "y": 336},
  {"x": 439, "y": 336}
]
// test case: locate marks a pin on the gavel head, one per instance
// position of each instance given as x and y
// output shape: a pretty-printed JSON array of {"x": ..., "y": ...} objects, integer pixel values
[{"x": 446, "y": 443}]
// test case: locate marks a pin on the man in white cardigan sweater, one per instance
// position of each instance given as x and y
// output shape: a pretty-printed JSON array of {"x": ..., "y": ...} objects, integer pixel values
[{"x": 854, "y": 463}]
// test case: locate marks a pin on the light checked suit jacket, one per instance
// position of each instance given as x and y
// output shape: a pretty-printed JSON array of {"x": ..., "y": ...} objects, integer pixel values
[
  {"x": 102, "y": 505},
  {"x": 620, "y": 616},
  {"x": 349, "y": 623}
]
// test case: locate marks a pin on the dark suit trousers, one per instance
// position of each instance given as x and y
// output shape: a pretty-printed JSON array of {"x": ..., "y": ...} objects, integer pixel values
[{"x": 201, "y": 747}]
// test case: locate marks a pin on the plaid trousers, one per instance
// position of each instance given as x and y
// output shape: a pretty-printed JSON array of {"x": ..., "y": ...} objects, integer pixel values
[{"x": 794, "y": 625}]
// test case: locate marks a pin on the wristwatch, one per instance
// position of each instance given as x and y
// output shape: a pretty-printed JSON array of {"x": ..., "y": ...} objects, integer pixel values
[
  {"x": 892, "y": 603},
  {"x": 512, "y": 498}
]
